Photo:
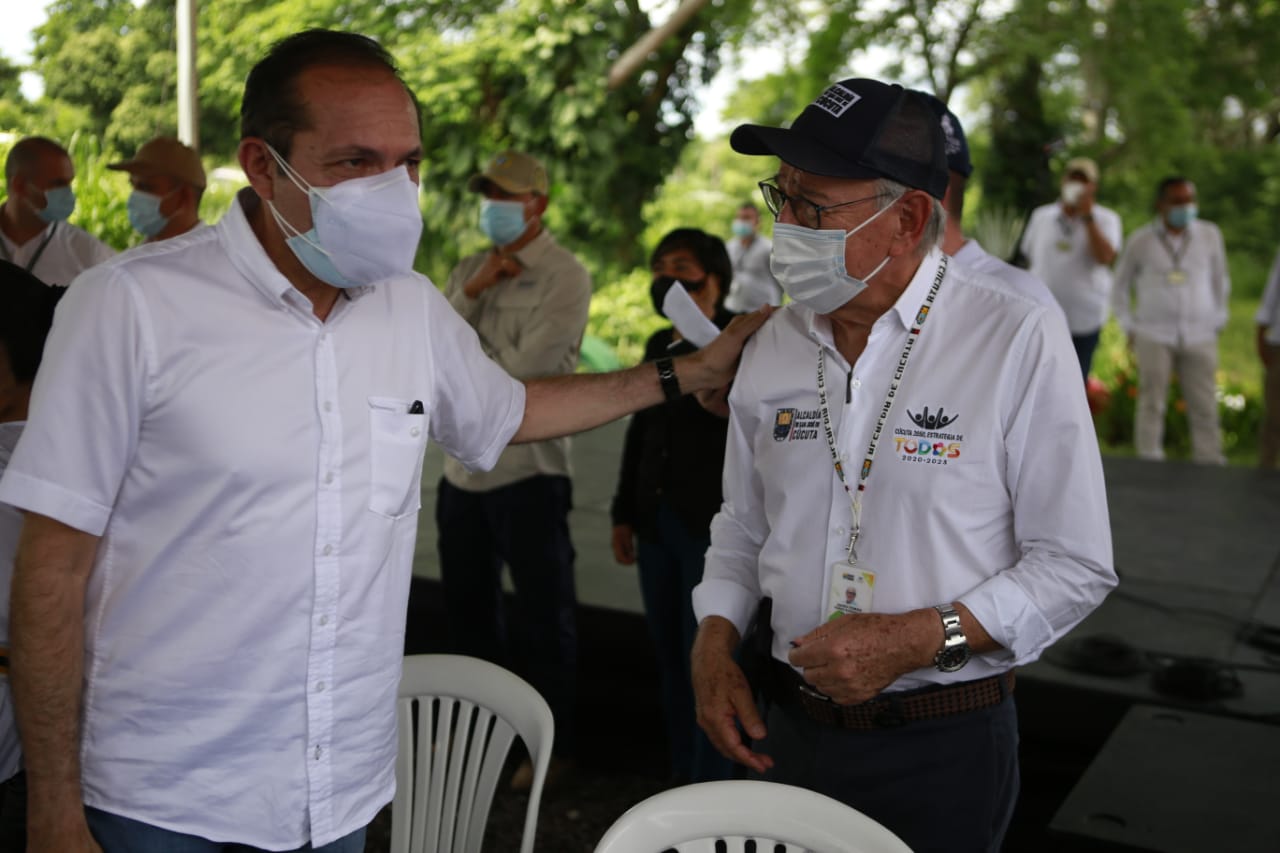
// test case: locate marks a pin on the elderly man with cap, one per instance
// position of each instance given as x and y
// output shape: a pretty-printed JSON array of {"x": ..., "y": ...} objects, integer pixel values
[
  {"x": 1070, "y": 245},
  {"x": 902, "y": 593},
  {"x": 34, "y": 231},
  {"x": 527, "y": 298},
  {"x": 168, "y": 181}
]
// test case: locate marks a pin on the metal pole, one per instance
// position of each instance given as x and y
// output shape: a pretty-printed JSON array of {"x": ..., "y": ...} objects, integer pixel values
[{"x": 188, "y": 99}]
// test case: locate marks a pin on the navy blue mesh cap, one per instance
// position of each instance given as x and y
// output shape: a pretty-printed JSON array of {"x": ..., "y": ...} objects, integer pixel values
[
  {"x": 859, "y": 128},
  {"x": 952, "y": 135}
]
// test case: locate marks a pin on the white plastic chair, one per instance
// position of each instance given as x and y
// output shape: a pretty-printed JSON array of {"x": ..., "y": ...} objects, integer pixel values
[
  {"x": 468, "y": 713},
  {"x": 692, "y": 818}
]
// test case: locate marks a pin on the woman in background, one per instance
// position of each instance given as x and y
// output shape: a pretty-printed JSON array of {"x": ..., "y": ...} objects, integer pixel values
[{"x": 669, "y": 490}]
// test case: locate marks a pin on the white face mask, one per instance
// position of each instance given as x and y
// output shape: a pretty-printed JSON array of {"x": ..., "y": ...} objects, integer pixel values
[
  {"x": 809, "y": 264},
  {"x": 362, "y": 230}
]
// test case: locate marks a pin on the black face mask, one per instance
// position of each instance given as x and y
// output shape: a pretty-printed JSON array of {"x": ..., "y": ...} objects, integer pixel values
[{"x": 662, "y": 283}]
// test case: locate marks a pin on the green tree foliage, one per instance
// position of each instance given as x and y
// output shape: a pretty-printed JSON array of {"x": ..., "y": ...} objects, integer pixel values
[
  {"x": 531, "y": 76},
  {"x": 1147, "y": 89}
]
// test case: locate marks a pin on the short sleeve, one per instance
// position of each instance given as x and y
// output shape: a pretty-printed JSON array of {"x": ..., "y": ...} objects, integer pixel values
[{"x": 477, "y": 407}]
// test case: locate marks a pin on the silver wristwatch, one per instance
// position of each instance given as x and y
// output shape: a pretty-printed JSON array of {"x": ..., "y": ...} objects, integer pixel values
[{"x": 954, "y": 653}]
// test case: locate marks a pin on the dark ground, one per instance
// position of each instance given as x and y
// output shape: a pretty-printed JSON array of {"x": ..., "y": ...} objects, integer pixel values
[{"x": 622, "y": 753}]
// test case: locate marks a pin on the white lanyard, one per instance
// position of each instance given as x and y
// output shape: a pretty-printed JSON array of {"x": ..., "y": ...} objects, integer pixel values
[
  {"x": 1184, "y": 244},
  {"x": 855, "y": 498}
]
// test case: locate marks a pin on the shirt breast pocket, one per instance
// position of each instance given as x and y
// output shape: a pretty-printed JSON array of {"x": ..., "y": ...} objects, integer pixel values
[{"x": 398, "y": 441}]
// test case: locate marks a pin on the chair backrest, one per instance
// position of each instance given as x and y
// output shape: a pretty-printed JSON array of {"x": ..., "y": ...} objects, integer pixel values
[
  {"x": 778, "y": 818},
  {"x": 457, "y": 718}
]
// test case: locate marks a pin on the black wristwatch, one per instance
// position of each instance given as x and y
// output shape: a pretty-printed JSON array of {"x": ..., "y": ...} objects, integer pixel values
[
  {"x": 954, "y": 653},
  {"x": 667, "y": 378}
]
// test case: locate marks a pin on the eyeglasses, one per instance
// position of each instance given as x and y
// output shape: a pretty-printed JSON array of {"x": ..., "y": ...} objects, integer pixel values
[{"x": 806, "y": 212}]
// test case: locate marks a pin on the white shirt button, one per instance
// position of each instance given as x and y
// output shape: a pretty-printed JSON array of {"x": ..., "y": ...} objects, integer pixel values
[
  {"x": 415, "y": 432},
  {"x": 320, "y": 687},
  {"x": 324, "y": 620},
  {"x": 328, "y": 478},
  {"x": 856, "y": 383},
  {"x": 328, "y": 407},
  {"x": 327, "y": 550},
  {"x": 840, "y": 531}
]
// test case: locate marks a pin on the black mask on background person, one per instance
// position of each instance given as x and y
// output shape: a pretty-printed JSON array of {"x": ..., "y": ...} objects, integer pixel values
[{"x": 662, "y": 283}]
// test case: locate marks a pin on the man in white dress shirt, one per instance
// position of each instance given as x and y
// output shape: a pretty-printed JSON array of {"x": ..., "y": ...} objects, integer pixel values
[
  {"x": 1071, "y": 244},
  {"x": 903, "y": 593},
  {"x": 1268, "y": 320},
  {"x": 34, "y": 231},
  {"x": 753, "y": 282},
  {"x": 1170, "y": 299},
  {"x": 209, "y": 597}
]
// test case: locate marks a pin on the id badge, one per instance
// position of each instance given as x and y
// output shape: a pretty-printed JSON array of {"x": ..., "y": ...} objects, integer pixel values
[
  {"x": 1064, "y": 245},
  {"x": 1177, "y": 277},
  {"x": 852, "y": 589}
]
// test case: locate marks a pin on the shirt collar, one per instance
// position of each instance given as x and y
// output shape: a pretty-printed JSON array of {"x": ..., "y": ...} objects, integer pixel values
[
  {"x": 40, "y": 235},
  {"x": 251, "y": 259},
  {"x": 904, "y": 310},
  {"x": 533, "y": 251},
  {"x": 908, "y": 304}
]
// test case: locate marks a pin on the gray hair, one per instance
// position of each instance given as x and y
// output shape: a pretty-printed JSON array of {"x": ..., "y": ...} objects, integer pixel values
[{"x": 888, "y": 192}]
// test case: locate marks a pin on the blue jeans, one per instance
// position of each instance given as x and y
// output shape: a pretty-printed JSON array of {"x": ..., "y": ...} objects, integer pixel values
[
  {"x": 526, "y": 526},
  {"x": 116, "y": 834},
  {"x": 1085, "y": 345},
  {"x": 670, "y": 568}
]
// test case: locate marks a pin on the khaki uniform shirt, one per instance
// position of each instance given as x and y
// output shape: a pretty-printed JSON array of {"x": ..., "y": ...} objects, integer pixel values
[{"x": 532, "y": 325}]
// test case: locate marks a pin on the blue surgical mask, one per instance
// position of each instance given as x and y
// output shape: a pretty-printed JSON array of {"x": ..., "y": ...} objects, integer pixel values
[
  {"x": 362, "y": 230},
  {"x": 144, "y": 213},
  {"x": 809, "y": 264},
  {"x": 1182, "y": 215},
  {"x": 59, "y": 203},
  {"x": 742, "y": 228},
  {"x": 502, "y": 221}
]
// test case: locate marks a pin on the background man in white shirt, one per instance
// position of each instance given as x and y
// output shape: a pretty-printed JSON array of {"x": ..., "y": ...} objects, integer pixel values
[
  {"x": 1171, "y": 295},
  {"x": 753, "y": 282},
  {"x": 34, "y": 232},
  {"x": 26, "y": 312},
  {"x": 1070, "y": 245},
  {"x": 168, "y": 181},
  {"x": 955, "y": 242},
  {"x": 1268, "y": 320},
  {"x": 527, "y": 297},
  {"x": 903, "y": 592},
  {"x": 209, "y": 595}
]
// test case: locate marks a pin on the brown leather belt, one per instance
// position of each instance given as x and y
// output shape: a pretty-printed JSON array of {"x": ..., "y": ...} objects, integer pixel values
[{"x": 890, "y": 710}]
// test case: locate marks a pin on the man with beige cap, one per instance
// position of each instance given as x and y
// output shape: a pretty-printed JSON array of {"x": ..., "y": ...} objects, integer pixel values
[
  {"x": 168, "y": 181},
  {"x": 1070, "y": 244},
  {"x": 527, "y": 298}
]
